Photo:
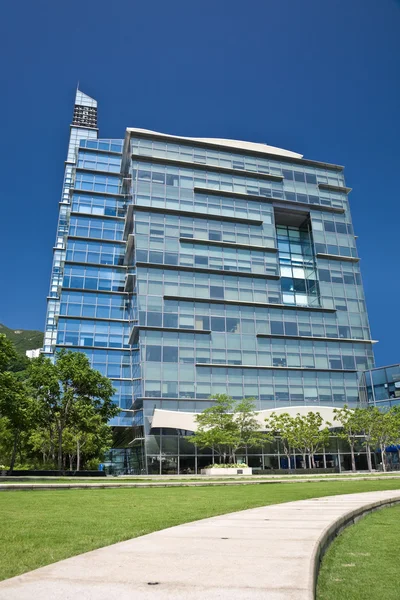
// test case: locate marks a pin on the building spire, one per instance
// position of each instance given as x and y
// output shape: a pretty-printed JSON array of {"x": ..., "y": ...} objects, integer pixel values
[{"x": 85, "y": 110}]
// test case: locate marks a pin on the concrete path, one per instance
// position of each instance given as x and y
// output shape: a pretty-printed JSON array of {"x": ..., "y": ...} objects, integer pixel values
[{"x": 268, "y": 553}]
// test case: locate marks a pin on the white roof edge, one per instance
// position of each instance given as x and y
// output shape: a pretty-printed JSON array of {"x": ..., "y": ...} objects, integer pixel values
[
  {"x": 241, "y": 145},
  {"x": 176, "y": 419}
]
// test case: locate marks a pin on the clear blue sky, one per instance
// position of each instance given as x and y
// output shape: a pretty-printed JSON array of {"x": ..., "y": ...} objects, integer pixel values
[{"x": 320, "y": 77}]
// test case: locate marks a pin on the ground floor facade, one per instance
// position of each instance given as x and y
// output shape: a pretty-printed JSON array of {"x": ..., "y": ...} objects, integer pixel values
[{"x": 175, "y": 455}]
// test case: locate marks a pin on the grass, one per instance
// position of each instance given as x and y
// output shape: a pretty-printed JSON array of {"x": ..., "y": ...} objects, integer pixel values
[
  {"x": 362, "y": 563},
  {"x": 41, "y": 527}
]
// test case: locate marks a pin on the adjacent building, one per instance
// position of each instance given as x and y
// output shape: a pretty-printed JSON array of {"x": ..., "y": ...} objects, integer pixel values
[{"x": 186, "y": 267}]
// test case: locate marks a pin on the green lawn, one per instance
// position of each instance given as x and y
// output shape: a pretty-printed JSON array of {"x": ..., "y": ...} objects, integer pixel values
[
  {"x": 362, "y": 563},
  {"x": 41, "y": 527}
]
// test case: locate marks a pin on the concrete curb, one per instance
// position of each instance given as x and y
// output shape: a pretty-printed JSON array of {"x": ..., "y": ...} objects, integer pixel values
[
  {"x": 162, "y": 484},
  {"x": 331, "y": 532}
]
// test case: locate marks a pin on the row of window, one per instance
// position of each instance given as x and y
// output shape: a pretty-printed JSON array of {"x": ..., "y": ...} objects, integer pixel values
[
  {"x": 191, "y": 285},
  {"x": 97, "y": 183},
  {"x": 274, "y": 358},
  {"x": 96, "y": 228},
  {"x": 107, "y": 145},
  {"x": 336, "y": 250},
  {"x": 156, "y": 389},
  {"x": 104, "y": 254},
  {"x": 173, "y": 227},
  {"x": 228, "y": 259},
  {"x": 183, "y": 314},
  {"x": 155, "y": 177},
  {"x": 102, "y": 306},
  {"x": 231, "y": 160},
  {"x": 93, "y": 333},
  {"x": 203, "y": 205},
  {"x": 90, "y": 278},
  {"x": 98, "y": 205},
  {"x": 99, "y": 162}
]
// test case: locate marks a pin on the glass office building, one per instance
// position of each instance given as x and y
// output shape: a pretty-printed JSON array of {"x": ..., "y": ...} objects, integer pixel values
[{"x": 187, "y": 267}]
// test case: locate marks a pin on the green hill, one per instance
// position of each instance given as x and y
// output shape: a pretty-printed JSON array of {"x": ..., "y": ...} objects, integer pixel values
[{"x": 23, "y": 339}]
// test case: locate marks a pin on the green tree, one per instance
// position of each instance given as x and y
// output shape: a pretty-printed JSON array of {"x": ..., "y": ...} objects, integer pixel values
[
  {"x": 367, "y": 418},
  {"x": 351, "y": 422},
  {"x": 395, "y": 428},
  {"x": 63, "y": 388},
  {"x": 382, "y": 432},
  {"x": 6, "y": 441},
  {"x": 283, "y": 425},
  {"x": 82, "y": 446},
  {"x": 15, "y": 405},
  {"x": 7, "y": 354},
  {"x": 309, "y": 436},
  {"x": 216, "y": 428},
  {"x": 228, "y": 426},
  {"x": 249, "y": 429}
]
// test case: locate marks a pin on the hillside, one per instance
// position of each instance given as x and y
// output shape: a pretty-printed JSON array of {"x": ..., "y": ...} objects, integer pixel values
[{"x": 23, "y": 339}]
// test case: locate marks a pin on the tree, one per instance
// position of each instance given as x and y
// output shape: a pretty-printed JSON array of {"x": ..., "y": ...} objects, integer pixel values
[
  {"x": 367, "y": 421},
  {"x": 381, "y": 432},
  {"x": 15, "y": 405},
  {"x": 216, "y": 428},
  {"x": 283, "y": 425},
  {"x": 8, "y": 354},
  {"x": 395, "y": 428},
  {"x": 82, "y": 445},
  {"x": 249, "y": 433},
  {"x": 64, "y": 388},
  {"x": 228, "y": 426},
  {"x": 351, "y": 427},
  {"x": 309, "y": 436}
]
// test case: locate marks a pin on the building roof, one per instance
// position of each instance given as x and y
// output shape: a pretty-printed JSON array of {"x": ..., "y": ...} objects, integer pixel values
[{"x": 237, "y": 144}]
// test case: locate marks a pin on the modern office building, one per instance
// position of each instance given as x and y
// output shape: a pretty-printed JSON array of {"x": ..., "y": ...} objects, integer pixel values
[{"x": 186, "y": 267}]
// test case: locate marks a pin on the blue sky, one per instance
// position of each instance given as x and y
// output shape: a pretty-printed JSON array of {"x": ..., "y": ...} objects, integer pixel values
[{"x": 317, "y": 77}]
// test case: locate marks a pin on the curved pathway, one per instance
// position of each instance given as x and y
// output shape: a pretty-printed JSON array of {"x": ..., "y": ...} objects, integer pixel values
[{"x": 268, "y": 553}]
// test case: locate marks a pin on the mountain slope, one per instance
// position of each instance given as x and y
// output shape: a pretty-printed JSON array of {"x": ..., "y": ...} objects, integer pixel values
[{"x": 23, "y": 339}]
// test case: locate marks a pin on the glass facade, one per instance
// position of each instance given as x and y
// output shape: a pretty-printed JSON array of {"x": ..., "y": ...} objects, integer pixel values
[
  {"x": 184, "y": 268},
  {"x": 381, "y": 386}
]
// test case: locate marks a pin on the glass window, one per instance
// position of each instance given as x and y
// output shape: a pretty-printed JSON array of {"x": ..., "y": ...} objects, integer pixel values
[
  {"x": 216, "y": 291},
  {"x": 153, "y": 353},
  {"x": 276, "y": 327},
  {"x": 170, "y": 354},
  {"x": 291, "y": 328}
]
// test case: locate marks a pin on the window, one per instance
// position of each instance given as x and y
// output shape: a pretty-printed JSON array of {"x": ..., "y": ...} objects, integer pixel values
[
  {"x": 170, "y": 354},
  {"x": 153, "y": 353},
  {"x": 170, "y": 320},
  {"x": 201, "y": 260},
  {"x": 217, "y": 324},
  {"x": 276, "y": 327},
  {"x": 279, "y": 362},
  {"x": 291, "y": 329},
  {"x": 216, "y": 291}
]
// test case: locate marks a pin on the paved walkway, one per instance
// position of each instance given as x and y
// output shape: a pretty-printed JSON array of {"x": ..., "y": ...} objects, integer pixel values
[{"x": 265, "y": 553}]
